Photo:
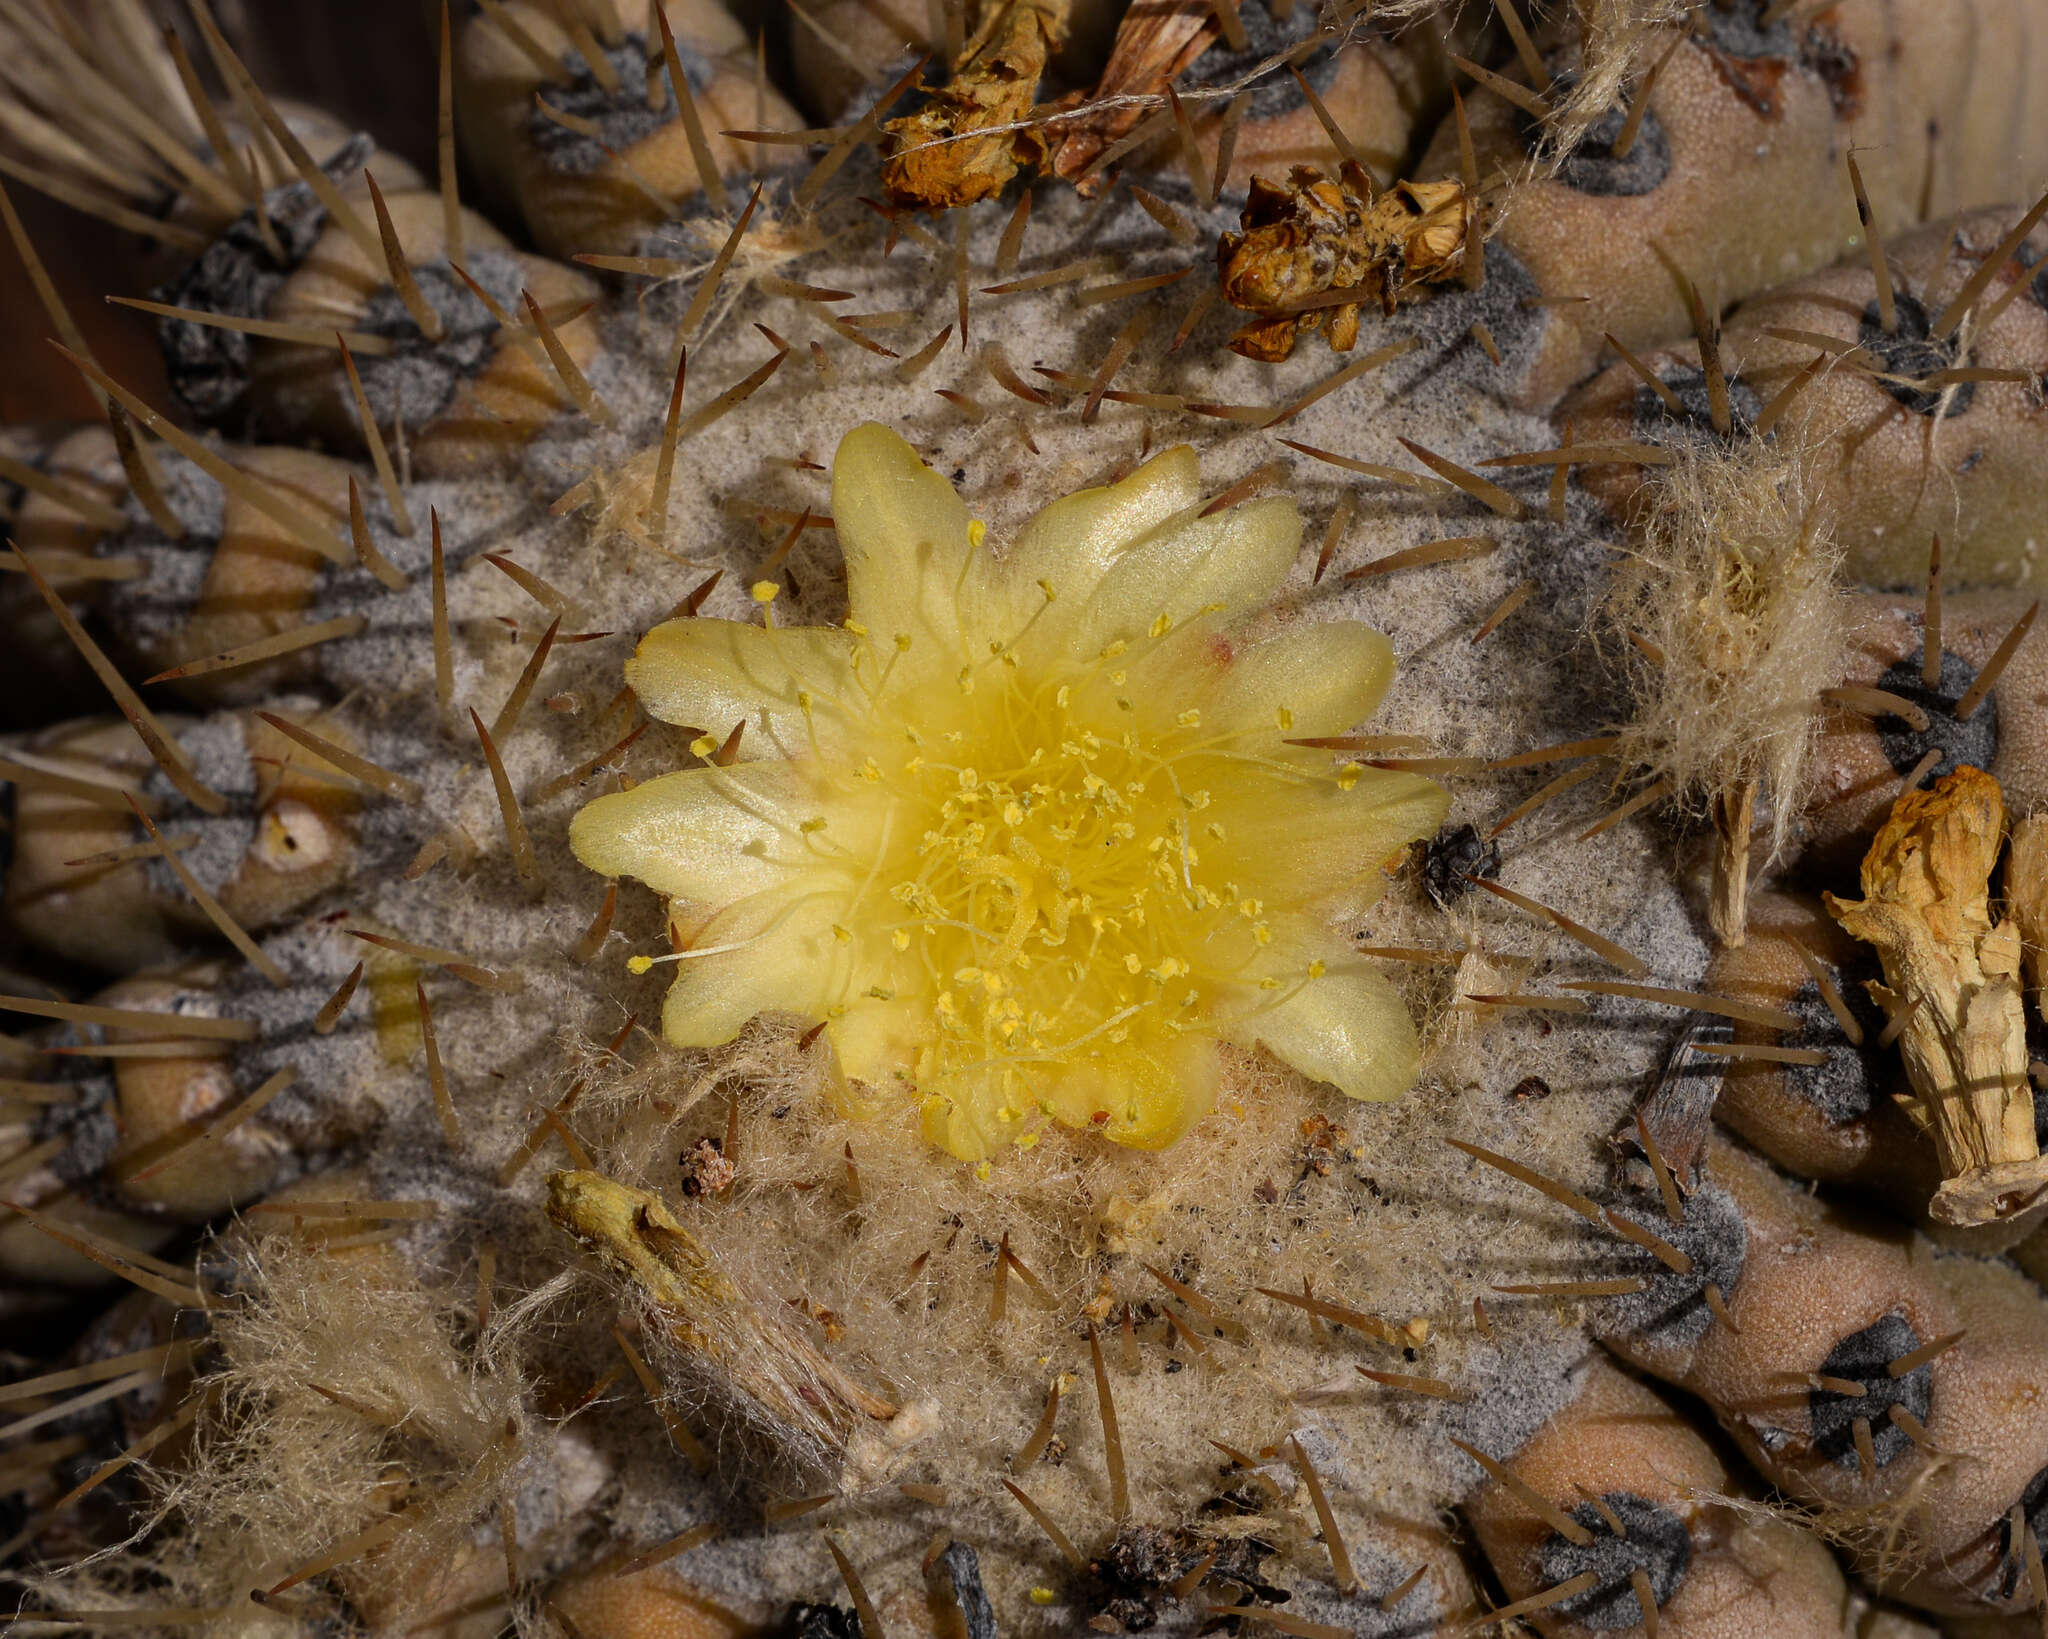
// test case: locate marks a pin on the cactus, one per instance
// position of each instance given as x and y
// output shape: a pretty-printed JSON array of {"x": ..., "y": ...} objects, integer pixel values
[{"x": 735, "y": 907}]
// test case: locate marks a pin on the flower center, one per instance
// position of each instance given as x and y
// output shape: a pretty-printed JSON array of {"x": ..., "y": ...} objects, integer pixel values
[{"x": 1054, "y": 873}]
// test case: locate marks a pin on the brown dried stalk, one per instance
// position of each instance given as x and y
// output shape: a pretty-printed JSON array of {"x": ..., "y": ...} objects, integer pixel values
[
  {"x": 2026, "y": 896},
  {"x": 1156, "y": 40},
  {"x": 1953, "y": 977},
  {"x": 1728, "y": 897},
  {"x": 932, "y": 160}
]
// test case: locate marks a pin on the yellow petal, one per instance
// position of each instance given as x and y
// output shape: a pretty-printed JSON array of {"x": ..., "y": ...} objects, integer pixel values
[
  {"x": 711, "y": 674},
  {"x": 1326, "y": 678},
  {"x": 1144, "y": 1097},
  {"x": 903, "y": 532},
  {"x": 875, "y": 1039},
  {"x": 783, "y": 964},
  {"x": 964, "y": 1120},
  {"x": 1308, "y": 843},
  {"x": 1075, "y": 541},
  {"x": 1347, "y": 1028},
  {"x": 711, "y": 835},
  {"x": 1231, "y": 562}
]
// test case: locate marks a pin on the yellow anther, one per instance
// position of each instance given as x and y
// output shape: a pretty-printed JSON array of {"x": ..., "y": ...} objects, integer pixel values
[
  {"x": 703, "y": 746},
  {"x": 1162, "y": 624},
  {"x": 1191, "y": 718},
  {"x": 841, "y": 934},
  {"x": 1061, "y": 698},
  {"x": 1285, "y": 719},
  {"x": 1132, "y": 964},
  {"x": 1045, "y": 586},
  {"x": 903, "y": 643},
  {"x": 639, "y": 964},
  {"x": 870, "y": 772},
  {"x": 854, "y": 626},
  {"x": 815, "y": 823},
  {"x": 1317, "y": 968},
  {"x": 1262, "y": 933},
  {"x": 900, "y": 939},
  {"x": 966, "y": 680},
  {"x": 1347, "y": 776},
  {"x": 977, "y": 532},
  {"x": 981, "y": 1171}
]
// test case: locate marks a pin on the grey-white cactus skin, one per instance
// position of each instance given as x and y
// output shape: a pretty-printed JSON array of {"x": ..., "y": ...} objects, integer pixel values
[{"x": 456, "y": 1297}]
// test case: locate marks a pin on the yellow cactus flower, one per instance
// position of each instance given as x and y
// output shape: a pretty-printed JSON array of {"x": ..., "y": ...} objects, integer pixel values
[{"x": 1027, "y": 832}]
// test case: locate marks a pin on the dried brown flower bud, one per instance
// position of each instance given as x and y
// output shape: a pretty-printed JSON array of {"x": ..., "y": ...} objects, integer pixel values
[
  {"x": 1315, "y": 236},
  {"x": 1953, "y": 993},
  {"x": 934, "y": 160},
  {"x": 2026, "y": 896}
]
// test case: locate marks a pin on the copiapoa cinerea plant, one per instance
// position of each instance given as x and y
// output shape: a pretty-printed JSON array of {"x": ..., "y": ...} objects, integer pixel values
[{"x": 1029, "y": 820}]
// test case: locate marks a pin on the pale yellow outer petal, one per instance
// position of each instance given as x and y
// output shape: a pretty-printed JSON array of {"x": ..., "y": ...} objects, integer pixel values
[
  {"x": 1327, "y": 678},
  {"x": 1309, "y": 844},
  {"x": 1231, "y": 562},
  {"x": 707, "y": 835},
  {"x": 711, "y": 674},
  {"x": 876, "y": 1039},
  {"x": 1146, "y": 1094},
  {"x": 1153, "y": 1092},
  {"x": 1347, "y": 1028},
  {"x": 1075, "y": 541},
  {"x": 903, "y": 532},
  {"x": 784, "y": 963}
]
